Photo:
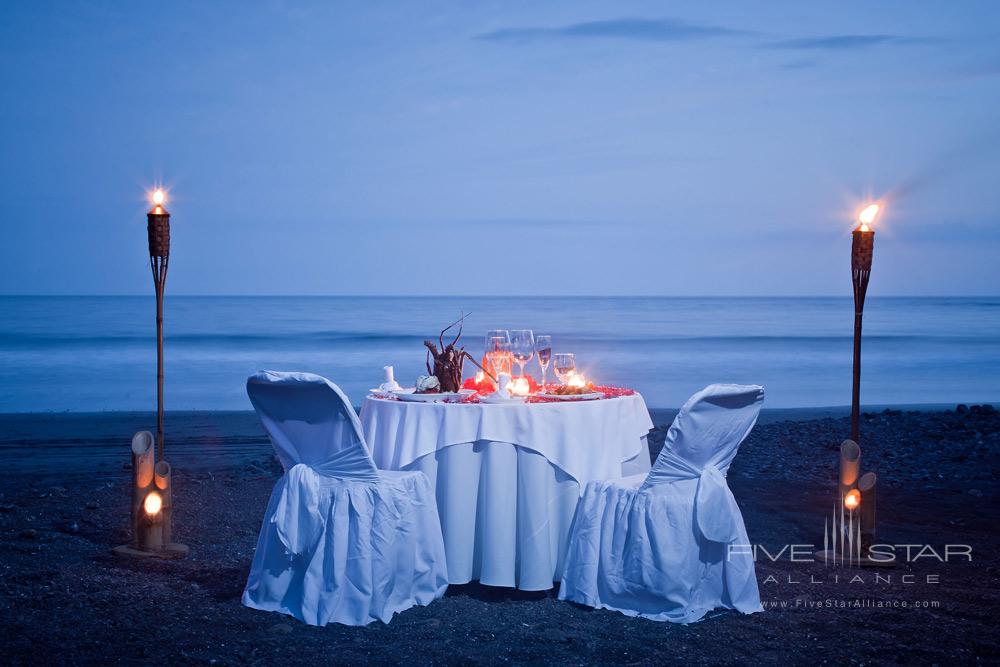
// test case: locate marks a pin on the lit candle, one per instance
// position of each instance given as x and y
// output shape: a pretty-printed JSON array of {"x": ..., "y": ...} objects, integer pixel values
[
  {"x": 577, "y": 380},
  {"x": 151, "y": 527},
  {"x": 852, "y": 500},
  {"x": 520, "y": 387},
  {"x": 153, "y": 503}
]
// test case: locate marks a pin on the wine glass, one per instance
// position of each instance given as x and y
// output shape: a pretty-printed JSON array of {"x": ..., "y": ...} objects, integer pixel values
[
  {"x": 491, "y": 345},
  {"x": 543, "y": 346},
  {"x": 565, "y": 365},
  {"x": 497, "y": 351},
  {"x": 522, "y": 345}
]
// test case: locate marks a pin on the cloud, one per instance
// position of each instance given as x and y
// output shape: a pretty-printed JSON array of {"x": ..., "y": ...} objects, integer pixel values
[
  {"x": 846, "y": 42},
  {"x": 642, "y": 30}
]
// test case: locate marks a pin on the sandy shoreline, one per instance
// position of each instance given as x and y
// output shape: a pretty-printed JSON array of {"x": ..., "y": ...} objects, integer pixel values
[
  {"x": 53, "y": 443},
  {"x": 61, "y": 588}
]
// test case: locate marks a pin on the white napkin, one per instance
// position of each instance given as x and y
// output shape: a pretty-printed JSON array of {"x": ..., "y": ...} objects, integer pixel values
[{"x": 390, "y": 383}]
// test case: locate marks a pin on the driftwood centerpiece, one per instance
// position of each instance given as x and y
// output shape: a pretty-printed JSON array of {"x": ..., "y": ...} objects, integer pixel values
[{"x": 449, "y": 359}]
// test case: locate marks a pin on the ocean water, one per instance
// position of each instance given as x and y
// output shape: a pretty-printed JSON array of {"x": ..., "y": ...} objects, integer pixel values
[{"x": 98, "y": 353}]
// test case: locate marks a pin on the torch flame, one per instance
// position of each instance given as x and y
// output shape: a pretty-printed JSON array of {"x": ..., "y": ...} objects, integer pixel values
[
  {"x": 159, "y": 196},
  {"x": 153, "y": 503},
  {"x": 852, "y": 500},
  {"x": 867, "y": 216}
]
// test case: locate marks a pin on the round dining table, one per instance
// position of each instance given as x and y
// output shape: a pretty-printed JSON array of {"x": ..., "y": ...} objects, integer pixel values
[{"x": 508, "y": 476}]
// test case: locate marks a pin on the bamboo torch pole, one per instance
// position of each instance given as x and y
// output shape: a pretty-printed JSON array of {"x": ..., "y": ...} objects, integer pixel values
[
  {"x": 862, "y": 244},
  {"x": 158, "y": 230}
]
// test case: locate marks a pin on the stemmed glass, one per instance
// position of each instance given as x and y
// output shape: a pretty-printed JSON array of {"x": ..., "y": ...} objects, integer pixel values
[
  {"x": 522, "y": 345},
  {"x": 497, "y": 351},
  {"x": 543, "y": 346},
  {"x": 493, "y": 346},
  {"x": 565, "y": 365}
]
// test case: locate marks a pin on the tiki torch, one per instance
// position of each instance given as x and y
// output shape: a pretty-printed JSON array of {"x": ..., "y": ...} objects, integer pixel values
[
  {"x": 158, "y": 227},
  {"x": 861, "y": 268},
  {"x": 152, "y": 498}
]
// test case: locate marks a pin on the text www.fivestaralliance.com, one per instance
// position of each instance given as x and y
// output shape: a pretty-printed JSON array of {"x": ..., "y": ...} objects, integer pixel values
[{"x": 850, "y": 603}]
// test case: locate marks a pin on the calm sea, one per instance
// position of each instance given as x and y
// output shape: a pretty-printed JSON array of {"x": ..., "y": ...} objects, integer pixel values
[{"x": 98, "y": 353}]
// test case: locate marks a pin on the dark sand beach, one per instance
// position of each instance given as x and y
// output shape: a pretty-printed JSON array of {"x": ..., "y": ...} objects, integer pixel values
[{"x": 64, "y": 599}]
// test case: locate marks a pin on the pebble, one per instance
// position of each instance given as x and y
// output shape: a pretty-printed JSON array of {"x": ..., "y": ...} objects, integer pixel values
[
  {"x": 28, "y": 533},
  {"x": 976, "y": 492},
  {"x": 92, "y": 505}
]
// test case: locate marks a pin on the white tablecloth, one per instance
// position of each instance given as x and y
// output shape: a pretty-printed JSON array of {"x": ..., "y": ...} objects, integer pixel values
[{"x": 508, "y": 477}]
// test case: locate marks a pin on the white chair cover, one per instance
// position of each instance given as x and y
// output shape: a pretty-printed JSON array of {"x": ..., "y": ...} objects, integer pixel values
[
  {"x": 341, "y": 541},
  {"x": 660, "y": 547}
]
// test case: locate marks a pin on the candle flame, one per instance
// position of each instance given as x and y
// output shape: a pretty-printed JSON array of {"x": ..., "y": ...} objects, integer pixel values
[
  {"x": 519, "y": 387},
  {"x": 867, "y": 216},
  {"x": 159, "y": 196},
  {"x": 852, "y": 500},
  {"x": 577, "y": 380},
  {"x": 153, "y": 503}
]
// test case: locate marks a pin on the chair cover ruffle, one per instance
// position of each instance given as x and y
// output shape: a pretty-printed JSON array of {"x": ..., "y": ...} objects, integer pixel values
[
  {"x": 341, "y": 541},
  {"x": 674, "y": 546},
  {"x": 376, "y": 549},
  {"x": 631, "y": 551}
]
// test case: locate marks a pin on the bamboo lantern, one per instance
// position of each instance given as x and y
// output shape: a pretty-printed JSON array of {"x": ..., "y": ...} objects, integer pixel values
[
  {"x": 142, "y": 477},
  {"x": 152, "y": 505},
  {"x": 867, "y": 485},
  {"x": 161, "y": 479},
  {"x": 850, "y": 464},
  {"x": 151, "y": 522}
]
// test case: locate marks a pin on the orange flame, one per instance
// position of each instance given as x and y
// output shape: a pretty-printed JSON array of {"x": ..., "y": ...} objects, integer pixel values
[
  {"x": 852, "y": 500},
  {"x": 867, "y": 216},
  {"x": 153, "y": 503}
]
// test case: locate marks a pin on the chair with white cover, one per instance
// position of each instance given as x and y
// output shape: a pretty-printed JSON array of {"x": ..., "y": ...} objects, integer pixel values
[
  {"x": 341, "y": 541},
  {"x": 671, "y": 545}
]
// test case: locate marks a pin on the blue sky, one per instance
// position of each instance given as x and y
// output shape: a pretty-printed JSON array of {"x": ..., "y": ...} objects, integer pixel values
[{"x": 571, "y": 148}]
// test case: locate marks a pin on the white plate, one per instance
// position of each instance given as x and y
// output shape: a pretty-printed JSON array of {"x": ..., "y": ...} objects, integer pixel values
[
  {"x": 411, "y": 397},
  {"x": 500, "y": 400},
  {"x": 575, "y": 397}
]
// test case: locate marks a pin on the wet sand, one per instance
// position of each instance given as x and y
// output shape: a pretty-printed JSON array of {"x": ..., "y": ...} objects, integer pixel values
[{"x": 64, "y": 599}]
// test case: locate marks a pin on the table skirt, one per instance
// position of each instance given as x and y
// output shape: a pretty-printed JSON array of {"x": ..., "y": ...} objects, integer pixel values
[{"x": 505, "y": 511}]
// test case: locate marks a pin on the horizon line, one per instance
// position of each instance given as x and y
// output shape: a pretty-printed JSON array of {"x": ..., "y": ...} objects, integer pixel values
[{"x": 509, "y": 296}]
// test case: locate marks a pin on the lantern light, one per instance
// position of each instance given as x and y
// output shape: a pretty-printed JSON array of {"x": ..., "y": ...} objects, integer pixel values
[
  {"x": 153, "y": 503},
  {"x": 852, "y": 500}
]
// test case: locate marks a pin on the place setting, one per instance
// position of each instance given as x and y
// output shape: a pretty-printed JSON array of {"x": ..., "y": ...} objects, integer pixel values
[{"x": 496, "y": 381}]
